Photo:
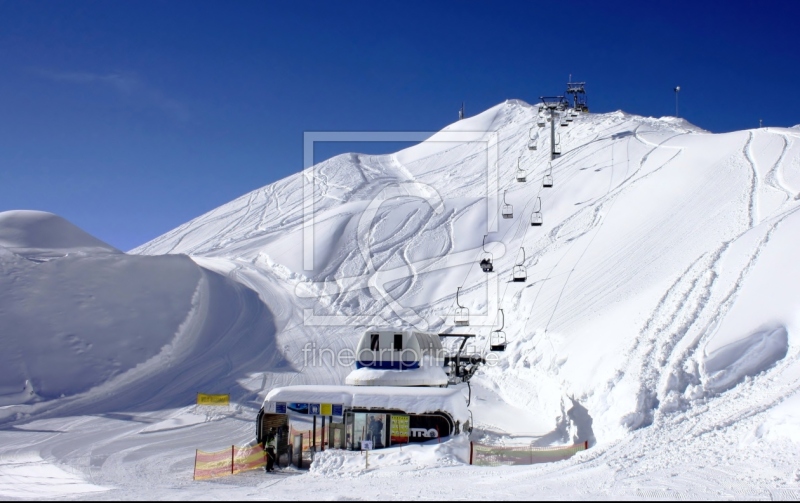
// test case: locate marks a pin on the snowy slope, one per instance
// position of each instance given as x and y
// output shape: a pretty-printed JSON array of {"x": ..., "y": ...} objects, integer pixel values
[
  {"x": 652, "y": 228},
  {"x": 87, "y": 327},
  {"x": 658, "y": 320}
]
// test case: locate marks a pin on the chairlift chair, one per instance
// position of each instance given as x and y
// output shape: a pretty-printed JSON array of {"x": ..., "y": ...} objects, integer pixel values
[
  {"x": 508, "y": 210},
  {"x": 547, "y": 181},
  {"x": 521, "y": 177},
  {"x": 564, "y": 122},
  {"x": 461, "y": 317},
  {"x": 487, "y": 262},
  {"x": 536, "y": 218},
  {"x": 568, "y": 115},
  {"x": 519, "y": 272},
  {"x": 497, "y": 340},
  {"x": 533, "y": 141},
  {"x": 541, "y": 121}
]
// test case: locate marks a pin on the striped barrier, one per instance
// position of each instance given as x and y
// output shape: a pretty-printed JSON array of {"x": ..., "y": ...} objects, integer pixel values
[
  {"x": 493, "y": 455},
  {"x": 307, "y": 442},
  {"x": 209, "y": 465}
]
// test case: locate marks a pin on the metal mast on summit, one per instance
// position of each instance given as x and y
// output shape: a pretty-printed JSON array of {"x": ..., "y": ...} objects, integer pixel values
[
  {"x": 578, "y": 92},
  {"x": 552, "y": 104}
]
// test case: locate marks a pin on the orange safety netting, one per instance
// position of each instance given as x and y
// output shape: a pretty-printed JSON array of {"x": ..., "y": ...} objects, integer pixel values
[
  {"x": 209, "y": 465},
  {"x": 491, "y": 455},
  {"x": 306, "y": 436}
]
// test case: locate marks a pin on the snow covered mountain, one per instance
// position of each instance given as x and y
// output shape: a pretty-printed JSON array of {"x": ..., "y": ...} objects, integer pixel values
[
  {"x": 662, "y": 275},
  {"x": 658, "y": 319}
]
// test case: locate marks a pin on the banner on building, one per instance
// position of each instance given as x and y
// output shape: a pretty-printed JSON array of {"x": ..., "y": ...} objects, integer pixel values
[{"x": 400, "y": 425}]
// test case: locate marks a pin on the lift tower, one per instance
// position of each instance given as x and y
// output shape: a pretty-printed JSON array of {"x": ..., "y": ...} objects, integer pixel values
[
  {"x": 553, "y": 104},
  {"x": 578, "y": 92}
]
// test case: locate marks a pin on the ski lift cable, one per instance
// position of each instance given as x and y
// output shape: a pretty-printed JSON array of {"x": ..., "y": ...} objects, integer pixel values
[
  {"x": 535, "y": 201},
  {"x": 569, "y": 274},
  {"x": 597, "y": 231},
  {"x": 550, "y": 276},
  {"x": 521, "y": 221}
]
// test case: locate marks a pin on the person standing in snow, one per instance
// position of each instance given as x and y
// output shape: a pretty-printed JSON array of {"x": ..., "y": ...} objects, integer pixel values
[
  {"x": 375, "y": 429},
  {"x": 270, "y": 458}
]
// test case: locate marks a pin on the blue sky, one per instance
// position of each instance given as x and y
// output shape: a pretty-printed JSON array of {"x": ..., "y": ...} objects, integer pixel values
[{"x": 130, "y": 118}]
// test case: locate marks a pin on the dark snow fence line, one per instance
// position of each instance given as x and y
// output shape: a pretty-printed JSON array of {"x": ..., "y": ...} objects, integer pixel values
[
  {"x": 494, "y": 455},
  {"x": 208, "y": 465}
]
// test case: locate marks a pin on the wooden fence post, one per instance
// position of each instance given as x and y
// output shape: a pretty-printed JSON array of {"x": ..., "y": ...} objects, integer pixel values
[{"x": 470, "y": 452}]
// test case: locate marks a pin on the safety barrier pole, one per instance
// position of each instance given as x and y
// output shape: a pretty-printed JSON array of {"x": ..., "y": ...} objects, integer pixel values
[
  {"x": 313, "y": 437},
  {"x": 470, "y": 452},
  {"x": 194, "y": 473},
  {"x": 232, "y": 461},
  {"x": 322, "y": 443}
]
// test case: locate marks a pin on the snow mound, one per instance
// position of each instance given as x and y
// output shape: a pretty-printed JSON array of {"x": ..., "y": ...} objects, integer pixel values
[
  {"x": 102, "y": 330},
  {"x": 748, "y": 356},
  {"x": 338, "y": 463},
  {"x": 28, "y": 476},
  {"x": 28, "y": 231}
]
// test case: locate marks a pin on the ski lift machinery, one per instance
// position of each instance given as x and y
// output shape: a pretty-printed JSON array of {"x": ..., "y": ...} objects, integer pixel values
[
  {"x": 497, "y": 340},
  {"x": 507, "y": 210},
  {"x": 462, "y": 364},
  {"x": 519, "y": 272},
  {"x": 578, "y": 92},
  {"x": 521, "y": 177},
  {"x": 487, "y": 263},
  {"x": 461, "y": 317},
  {"x": 536, "y": 218}
]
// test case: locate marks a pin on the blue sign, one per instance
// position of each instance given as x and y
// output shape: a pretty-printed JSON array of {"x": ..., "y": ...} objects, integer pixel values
[
  {"x": 314, "y": 409},
  {"x": 300, "y": 408},
  {"x": 337, "y": 410},
  {"x": 280, "y": 407}
]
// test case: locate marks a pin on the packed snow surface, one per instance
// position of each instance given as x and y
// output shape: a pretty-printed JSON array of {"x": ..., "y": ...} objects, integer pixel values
[{"x": 659, "y": 318}]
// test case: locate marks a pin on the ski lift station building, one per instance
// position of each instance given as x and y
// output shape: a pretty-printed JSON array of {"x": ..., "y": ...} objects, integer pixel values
[{"x": 396, "y": 395}]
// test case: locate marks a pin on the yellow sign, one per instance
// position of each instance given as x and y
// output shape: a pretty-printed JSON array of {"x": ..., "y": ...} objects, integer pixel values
[
  {"x": 326, "y": 409},
  {"x": 204, "y": 399}
]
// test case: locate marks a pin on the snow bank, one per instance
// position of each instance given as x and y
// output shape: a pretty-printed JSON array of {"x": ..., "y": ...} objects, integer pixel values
[
  {"x": 748, "y": 356},
  {"x": 75, "y": 322},
  {"x": 338, "y": 463},
  {"x": 28, "y": 476}
]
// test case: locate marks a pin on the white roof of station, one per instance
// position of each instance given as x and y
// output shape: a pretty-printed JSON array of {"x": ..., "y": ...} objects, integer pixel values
[{"x": 423, "y": 376}]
